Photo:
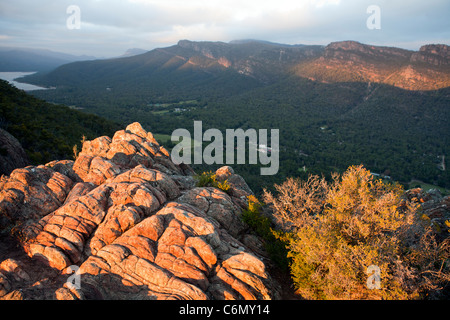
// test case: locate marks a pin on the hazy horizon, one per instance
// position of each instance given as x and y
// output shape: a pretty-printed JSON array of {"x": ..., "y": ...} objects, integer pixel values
[{"x": 109, "y": 28}]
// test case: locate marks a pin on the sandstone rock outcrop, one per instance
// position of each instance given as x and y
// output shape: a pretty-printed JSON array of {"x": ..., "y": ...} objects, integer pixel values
[{"x": 133, "y": 225}]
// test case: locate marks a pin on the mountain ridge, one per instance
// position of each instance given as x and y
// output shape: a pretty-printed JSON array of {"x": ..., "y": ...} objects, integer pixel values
[
  {"x": 426, "y": 69},
  {"x": 133, "y": 52},
  {"x": 343, "y": 61}
]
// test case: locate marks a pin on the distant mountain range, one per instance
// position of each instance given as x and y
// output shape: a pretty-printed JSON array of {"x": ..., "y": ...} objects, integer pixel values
[
  {"x": 41, "y": 60},
  {"x": 25, "y": 59}
]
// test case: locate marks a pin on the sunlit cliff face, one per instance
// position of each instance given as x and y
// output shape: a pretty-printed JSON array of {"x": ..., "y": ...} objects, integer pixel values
[{"x": 349, "y": 61}]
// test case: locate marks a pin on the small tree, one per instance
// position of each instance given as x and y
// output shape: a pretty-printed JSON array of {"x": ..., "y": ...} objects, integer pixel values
[
  {"x": 75, "y": 151},
  {"x": 297, "y": 201},
  {"x": 356, "y": 238},
  {"x": 75, "y": 148}
]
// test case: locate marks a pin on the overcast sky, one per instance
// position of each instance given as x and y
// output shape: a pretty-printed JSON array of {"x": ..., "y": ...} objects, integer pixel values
[{"x": 109, "y": 27}]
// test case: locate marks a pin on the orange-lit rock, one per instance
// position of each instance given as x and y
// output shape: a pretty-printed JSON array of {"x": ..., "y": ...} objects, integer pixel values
[{"x": 135, "y": 225}]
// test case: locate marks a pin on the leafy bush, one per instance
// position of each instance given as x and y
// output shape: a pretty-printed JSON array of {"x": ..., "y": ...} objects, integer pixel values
[
  {"x": 224, "y": 185},
  {"x": 261, "y": 224},
  {"x": 253, "y": 217},
  {"x": 209, "y": 179},
  {"x": 205, "y": 179},
  {"x": 338, "y": 232}
]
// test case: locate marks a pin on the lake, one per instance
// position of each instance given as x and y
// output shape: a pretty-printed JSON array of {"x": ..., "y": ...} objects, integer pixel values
[{"x": 11, "y": 76}]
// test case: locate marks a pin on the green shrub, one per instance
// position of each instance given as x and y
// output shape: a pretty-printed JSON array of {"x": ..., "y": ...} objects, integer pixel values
[
  {"x": 224, "y": 185},
  {"x": 274, "y": 244},
  {"x": 208, "y": 179},
  {"x": 358, "y": 223}
]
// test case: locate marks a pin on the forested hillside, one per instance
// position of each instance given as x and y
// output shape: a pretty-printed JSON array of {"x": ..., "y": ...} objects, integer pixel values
[
  {"x": 46, "y": 131},
  {"x": 325, "y": 126}
]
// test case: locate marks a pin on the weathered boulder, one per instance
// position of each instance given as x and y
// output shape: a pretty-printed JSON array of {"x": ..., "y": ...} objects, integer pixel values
[
  {"x": 218, "y": 205},
  {"x": 239, "y": 190},
  {"x": 30, "y": 193},
  {"x": 434, "y": 207},
  {"x": 104, "y": 158},
  {"x": 12, "y": 155}
]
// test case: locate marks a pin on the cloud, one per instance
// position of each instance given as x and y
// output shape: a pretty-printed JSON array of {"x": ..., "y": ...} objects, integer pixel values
[{"x": 109, "y": 27}]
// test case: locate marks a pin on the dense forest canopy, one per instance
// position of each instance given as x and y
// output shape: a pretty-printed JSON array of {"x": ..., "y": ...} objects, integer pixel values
[
  {"x": 47, "y": 131},
  {"x": 323, "y": 127}
]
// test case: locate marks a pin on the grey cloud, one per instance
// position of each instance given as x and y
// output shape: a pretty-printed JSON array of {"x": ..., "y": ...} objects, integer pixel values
[{"x": 110, "y": 27}]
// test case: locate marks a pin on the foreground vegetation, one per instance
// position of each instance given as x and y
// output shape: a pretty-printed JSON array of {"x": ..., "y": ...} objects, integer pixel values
[{"x": 355, "y": 237}]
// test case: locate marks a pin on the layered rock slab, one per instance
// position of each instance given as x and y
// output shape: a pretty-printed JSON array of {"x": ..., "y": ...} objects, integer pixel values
[
  {"x": 178, "y": 253},
  {"x": 85, "y": 225}
]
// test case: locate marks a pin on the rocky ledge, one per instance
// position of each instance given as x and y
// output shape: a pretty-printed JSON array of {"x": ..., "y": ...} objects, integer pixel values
[{"x": 132, "y": 223}]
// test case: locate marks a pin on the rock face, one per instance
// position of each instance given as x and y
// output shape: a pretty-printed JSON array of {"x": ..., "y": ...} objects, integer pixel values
[
  {"x": 133, "y": 225},
  {"x": 350, "y": 61},
  {"x": 435, "y": 54},
  {"x": 434, "y": 208},
  {"x": 12, "y": 155}
]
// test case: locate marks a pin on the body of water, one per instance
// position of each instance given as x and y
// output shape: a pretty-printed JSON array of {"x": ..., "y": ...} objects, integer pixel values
[{"x": 11, "y": 76}]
